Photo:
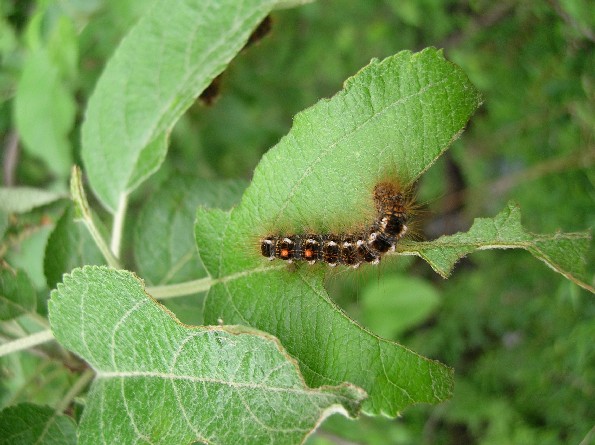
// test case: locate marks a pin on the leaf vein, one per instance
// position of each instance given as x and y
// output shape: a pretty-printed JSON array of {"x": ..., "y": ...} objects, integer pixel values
[{"x": 308, "y": 170}]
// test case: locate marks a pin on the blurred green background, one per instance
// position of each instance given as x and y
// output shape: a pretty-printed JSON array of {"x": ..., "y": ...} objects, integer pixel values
[{"x": 519, "y": 336}]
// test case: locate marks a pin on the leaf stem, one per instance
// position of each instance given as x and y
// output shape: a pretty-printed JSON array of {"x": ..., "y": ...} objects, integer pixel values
[
  {"x": 181, "y": 289},
  {"x": 26, "y": 342},
  {"x": 118, "y": 226},
  {"x": 201, "y": 285},
  {"x": 75, "y": 390},
  {"x": 83, "y": 212}
]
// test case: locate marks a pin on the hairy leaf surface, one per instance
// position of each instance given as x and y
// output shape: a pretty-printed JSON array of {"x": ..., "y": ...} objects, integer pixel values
[
  {"x": 563, "y": 252},
  {"x": 166, "y": 61},
  {"x": 27, "y": 424},
  {"x": 217, "y": 384},
  {"x": 164, "y": 248},
  {"x": 68, "y": 246},
  {"x": 45, "y": 112},
  {"x": 391, "y": 121}
]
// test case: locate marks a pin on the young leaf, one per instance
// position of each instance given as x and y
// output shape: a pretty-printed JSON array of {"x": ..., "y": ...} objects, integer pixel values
[
  {"x": 44, "y": 112},
  {"x": 391, "y": 121},
  {"x": 214, "y": 384},
  {"x": 27, "y": 424},
  {"x": 29, "y": 256},
  {"x": 69, "y": 246},
  {"x": 164, "y": 248},
  {"x": 17, "y": 294},
  {"x": 168, "y": 58},
  {"x": 397, "y": 303},
  {"x": 563, "y": 252},
  {"x": 329, "y": 346},
  {"x": 23, "y": 199}
]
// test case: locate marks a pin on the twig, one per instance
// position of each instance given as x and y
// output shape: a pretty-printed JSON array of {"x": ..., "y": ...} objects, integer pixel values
[
  {"x": 490, "y": 18},
  {"x": 505, "y": 183},
  {"x": 26, "y": 342},
  {"x": 11, "y": 157},
  {"x": 570, "y": 21},
  {"x": 180, "y": 289},
  {"x": 196, "y": 286}
]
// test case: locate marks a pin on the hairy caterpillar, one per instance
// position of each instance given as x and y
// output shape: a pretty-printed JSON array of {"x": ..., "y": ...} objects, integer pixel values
[{"x": 350, "y": 249}]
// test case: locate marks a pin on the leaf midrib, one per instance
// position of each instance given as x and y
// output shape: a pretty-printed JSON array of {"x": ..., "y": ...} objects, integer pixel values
[
  {"x": 107, "y": 375},
  {"x": 159, "y": 125},
  {"x": 308, "y": 170}
]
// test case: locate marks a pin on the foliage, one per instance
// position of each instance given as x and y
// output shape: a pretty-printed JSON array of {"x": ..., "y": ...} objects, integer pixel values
[
  {"x": 284, "y": 347},
  {"x": 27, "y": 423},
  {"x": 199, "y": 381}
]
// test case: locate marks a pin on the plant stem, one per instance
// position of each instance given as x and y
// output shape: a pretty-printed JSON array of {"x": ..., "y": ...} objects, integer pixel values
[
  {"x": 201, "y": 285},
  {"x": 180, "y": 289},
  {"x": 11, "y": 158},
  {"x": 118, "y": 226},
  {"x": 26, "y": 342},
  {"x": 101, "y": 244},
  {"x": 84, "y": 213}
]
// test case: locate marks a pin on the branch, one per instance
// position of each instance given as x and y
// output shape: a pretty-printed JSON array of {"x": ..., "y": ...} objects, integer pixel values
[{"x": 26, "y": 342}]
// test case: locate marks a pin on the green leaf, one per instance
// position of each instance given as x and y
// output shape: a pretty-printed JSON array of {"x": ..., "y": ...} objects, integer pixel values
[
  {"x": 24, "y": 199},
  {"x": 329, "y": 346},
  {"x": 166, "y": 61},
  {"x": 17, "y": 294},
  {"x": 63, "y": 47},
  {"x": 397, "y": 303},
  {"x": 164, "y": 246},
  {"x": 29, "y": 256},
  {"x": 286, "y": 4},
  {"x": 45, "y": 112},
  {"x": 391, "y": 121},
  {"x": 69, "y": 246},
  {"x": 27, "y": 424},
  {"x": 563, "y": 252},
  {"x": 8, "y": 39},
  {"x": 33, "y": 378},
  {"x": 215, "y": 384}
]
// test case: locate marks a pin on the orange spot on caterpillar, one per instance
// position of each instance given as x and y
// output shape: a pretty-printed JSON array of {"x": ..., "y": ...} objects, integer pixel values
[{"x": 393, "y": 205}]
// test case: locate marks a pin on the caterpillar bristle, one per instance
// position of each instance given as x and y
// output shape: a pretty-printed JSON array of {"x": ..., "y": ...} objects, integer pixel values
[{"x": 351, "y": 249}]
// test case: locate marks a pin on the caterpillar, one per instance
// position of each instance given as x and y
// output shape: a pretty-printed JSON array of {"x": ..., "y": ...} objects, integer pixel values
[{"x": 349, "y": 249}]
